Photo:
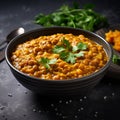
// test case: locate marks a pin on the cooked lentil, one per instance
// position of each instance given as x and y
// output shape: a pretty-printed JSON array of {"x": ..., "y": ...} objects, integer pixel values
[{"x": 26, "y": 56}]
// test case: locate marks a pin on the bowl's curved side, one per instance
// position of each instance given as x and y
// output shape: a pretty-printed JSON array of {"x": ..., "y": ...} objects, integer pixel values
[
  {"x": 73, "y": 86},
  {"x": 61, "y": 88}
]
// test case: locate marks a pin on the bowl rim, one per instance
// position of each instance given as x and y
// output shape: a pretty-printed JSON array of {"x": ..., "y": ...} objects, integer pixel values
[{"x": 66, "y": 80}]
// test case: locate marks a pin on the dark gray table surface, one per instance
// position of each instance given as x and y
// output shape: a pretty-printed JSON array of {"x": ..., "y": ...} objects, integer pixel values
[{"x": 18, "y": 103}]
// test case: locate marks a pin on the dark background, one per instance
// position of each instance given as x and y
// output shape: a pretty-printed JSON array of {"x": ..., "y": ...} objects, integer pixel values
[{"x": 18, "y": 103}]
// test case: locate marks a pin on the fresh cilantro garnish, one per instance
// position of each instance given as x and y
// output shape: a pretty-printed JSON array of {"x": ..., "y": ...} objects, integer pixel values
[
  {"x": 80, "y": 46},
  {"x": 116, "y": 59},
  {"x": 80, "y": 54},
  {"x": 85, "y": 18},
  {"x": 58, "y": 49},
  {"x": 70, "y": 58},
  {"x": 69, "y": 53},
  {"x": 47, "y": 62},
  {"x": 66, "y": 43},
  {"x": 65, "y": 46}
]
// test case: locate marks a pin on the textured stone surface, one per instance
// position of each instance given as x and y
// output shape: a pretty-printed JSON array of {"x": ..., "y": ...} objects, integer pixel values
[{"x": 17, "y": 102}]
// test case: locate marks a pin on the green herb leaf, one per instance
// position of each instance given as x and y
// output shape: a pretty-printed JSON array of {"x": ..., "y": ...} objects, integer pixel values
[
  {"x": 63, "y": 55},
  {"x": 66, "y": 43},
  {"x": 69, "y": 53},
  {"x": 75, "y": 48},
  {"x": 58, "y": 49},
  {"x": 80, "y": 54},
  {"x": 52, "y": 61},
  {"x": 46, "y": 62},
  {"x": 80, "y": 46},
  {"x": 116, "y": 59},
  {"x": 85, "y": 18},
  {"x": 70, "y": 58}
]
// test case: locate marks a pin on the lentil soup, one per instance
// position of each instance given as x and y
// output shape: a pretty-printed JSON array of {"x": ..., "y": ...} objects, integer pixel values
[{"x": 59, "y": 57}]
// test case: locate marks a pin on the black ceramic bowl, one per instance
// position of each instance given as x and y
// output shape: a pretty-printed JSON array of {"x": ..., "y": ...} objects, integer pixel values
[{"x": 58, "y": 87}]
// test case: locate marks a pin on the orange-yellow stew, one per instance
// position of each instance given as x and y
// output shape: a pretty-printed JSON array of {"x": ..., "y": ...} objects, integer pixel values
[{"x": 59, "y": 57}]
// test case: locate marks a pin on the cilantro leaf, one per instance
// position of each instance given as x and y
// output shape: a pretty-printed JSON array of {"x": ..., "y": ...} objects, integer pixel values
[
  {"x": 58, "y": 49},
  {"x": 116, "y": 59},
  {"x": 70, "y": 58},
  {"x": 80, "y": 54},
  {"x": 66, "y": 43},
  {"x": 46, "y": 62},
  {"x": 52, "y": 61},
  {"x": 69, "y": 53},
  {"x": 63, "y": 55},
  {"x": 80, "y": 46},
  {"x": 74, "y": 48}
]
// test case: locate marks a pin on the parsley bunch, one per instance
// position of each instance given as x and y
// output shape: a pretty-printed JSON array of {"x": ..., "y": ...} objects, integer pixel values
[
  {"x": 85, "y": 18},
  {"x": 69, "y": 53}
]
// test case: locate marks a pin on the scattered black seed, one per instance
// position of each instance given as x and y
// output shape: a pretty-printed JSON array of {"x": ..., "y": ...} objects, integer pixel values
[
  {"x": 2, "y": 107},
  {"x": 57, "y": 113},
  {"x": 39, "y": 111},
  {"x": 66, "y": 102},
  {"x": 76, "y": 116},
  {"x": 96, "y": 114},
  {"x": 56, "y": 109},
  {"x": 85, "y": 97},
  {"x": 60, "y": 101},
  {"x": 64, "y": 117},
  {"x": 81, "y": 100},
  {"x": 81, "y": 108},
  {"x": 18, "y": 84},
  {"x": 105, "y": 97},
  {"x": 10, "y": 95},
  {"x": 52, "y": 105},
  {"x": 3, "y": 116},
  {"x": 34, "y": 110},
  {"x": 113, "y": 94},
  {"x": 26, "y": 92},
  {"x": 60, "y": 114},
  {"x": 24, "y": 115},
  {"x": 70, "y": 101}
]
